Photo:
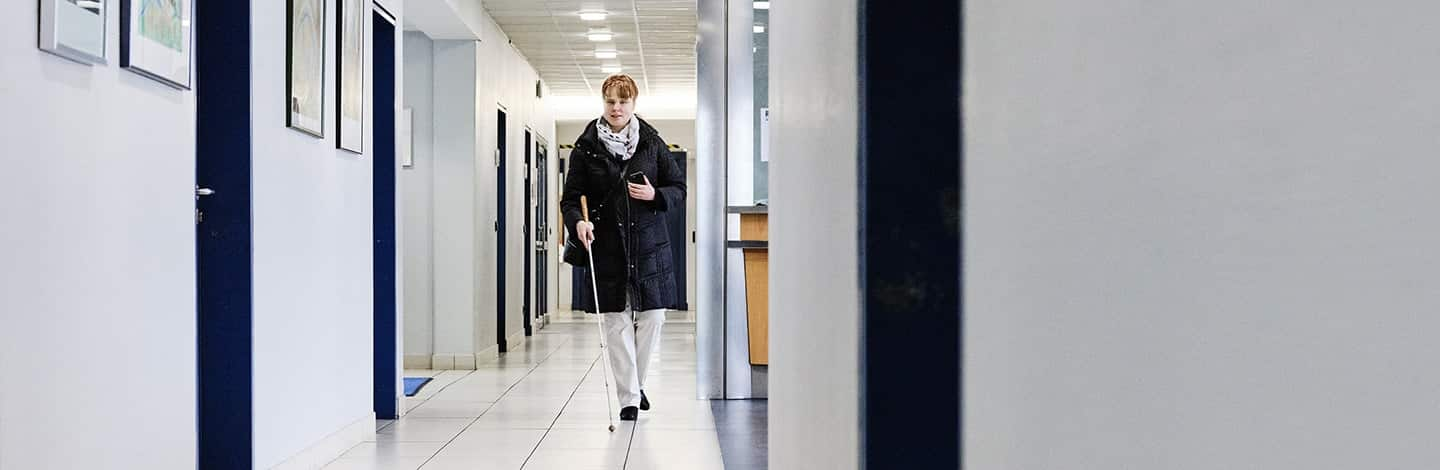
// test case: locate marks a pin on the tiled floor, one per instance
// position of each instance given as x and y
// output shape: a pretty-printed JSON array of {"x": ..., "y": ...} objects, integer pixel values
[{"x": 542, "y": 407}]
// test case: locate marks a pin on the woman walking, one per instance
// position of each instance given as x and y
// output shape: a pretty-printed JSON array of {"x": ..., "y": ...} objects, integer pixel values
[{"x": 626, "y": 173}]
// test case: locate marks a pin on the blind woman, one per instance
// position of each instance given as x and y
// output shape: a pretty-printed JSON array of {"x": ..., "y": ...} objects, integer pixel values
[{"x": 629, "y": 179}]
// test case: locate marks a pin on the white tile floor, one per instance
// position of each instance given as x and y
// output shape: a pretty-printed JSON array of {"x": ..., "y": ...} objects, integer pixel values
[{"x": 542, "y": 407}]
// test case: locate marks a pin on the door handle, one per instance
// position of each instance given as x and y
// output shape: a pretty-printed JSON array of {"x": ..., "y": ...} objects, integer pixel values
[{"x": 199, "y": 191}]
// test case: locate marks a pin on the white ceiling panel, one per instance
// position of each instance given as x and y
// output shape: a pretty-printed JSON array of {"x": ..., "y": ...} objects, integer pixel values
[{"x": 654, "y": 41}]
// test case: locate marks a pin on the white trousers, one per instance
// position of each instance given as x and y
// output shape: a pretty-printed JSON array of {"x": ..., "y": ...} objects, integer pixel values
[{"x": 631, "y": 338}]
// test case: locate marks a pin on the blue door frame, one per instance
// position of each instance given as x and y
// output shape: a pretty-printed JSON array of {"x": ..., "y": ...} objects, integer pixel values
[
  {"x": 387, "y": 374},
  {"x": 223, "y": 235},
  {"x": 500, "y": 230}
]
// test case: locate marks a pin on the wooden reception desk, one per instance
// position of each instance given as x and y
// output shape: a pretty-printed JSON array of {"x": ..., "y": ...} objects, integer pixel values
[{"x": 755, "y": 241}]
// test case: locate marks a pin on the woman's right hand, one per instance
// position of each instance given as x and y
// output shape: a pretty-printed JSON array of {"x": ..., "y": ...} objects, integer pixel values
[{"x": 586, "y": 232}]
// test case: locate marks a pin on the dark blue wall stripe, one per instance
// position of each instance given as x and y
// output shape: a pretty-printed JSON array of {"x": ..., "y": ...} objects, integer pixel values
[
  {"x": 529, "y": 239},
  {"x": 500, "y": 238},
  {"x": 384, "y": 207},
  {"x": 909, "y": 173},
  {"x": 223, "y": 241}
]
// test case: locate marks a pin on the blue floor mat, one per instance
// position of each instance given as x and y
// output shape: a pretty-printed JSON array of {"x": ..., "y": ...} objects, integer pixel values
[{"x": 414, "y": 384}]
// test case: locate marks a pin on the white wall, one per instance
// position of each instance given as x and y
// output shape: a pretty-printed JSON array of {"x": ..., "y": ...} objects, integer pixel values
[
  {"x": 313, "y": 260},
  {"x": 416, "y": 192},
  {"x": 814, "y": 347},
  {"x": 1200, "y": 235},
  {"x": 97, "y": 269},
  {"x": 456, "y": 153},
  {"x": 507, "y": 79},
  {"x": 475, "y": 79},
  {"x": 110, "y": 216}
]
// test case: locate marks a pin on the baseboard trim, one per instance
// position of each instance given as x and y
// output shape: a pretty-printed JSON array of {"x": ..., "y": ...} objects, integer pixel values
[
  {"x": 418, "y": 361},
  {"x": 492, "y": 354},
  {"x": 331, "y": 447},
  {"x": 469, "y": 361},
  {"x": 452, "y": 362},
  {"x": 487, "y": 355}
]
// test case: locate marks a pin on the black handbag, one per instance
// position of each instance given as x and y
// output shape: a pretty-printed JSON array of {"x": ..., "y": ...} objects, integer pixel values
[{"x": 574, "y": 254}]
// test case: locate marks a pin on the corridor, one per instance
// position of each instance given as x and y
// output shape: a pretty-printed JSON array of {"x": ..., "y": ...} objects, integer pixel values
[{"x": 541, "y": 407}]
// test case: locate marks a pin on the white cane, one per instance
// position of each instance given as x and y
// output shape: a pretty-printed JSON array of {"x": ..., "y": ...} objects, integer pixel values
[{"x": 599, "y": 325}]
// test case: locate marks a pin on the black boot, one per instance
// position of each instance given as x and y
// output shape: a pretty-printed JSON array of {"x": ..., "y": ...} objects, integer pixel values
[
  {"x": 644, "y": 402},
  {"x": 629, "y": 413}
]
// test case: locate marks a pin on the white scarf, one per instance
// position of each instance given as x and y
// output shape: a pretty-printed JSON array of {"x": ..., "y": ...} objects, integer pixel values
[{"x": 621, "y": 143}]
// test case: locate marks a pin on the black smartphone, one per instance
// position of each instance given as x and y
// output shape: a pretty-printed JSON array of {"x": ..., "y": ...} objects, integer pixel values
[{"x": 637, "y": 178}]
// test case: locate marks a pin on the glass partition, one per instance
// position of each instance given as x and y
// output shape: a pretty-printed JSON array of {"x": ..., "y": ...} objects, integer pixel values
[{"x": 761, "y": 51}]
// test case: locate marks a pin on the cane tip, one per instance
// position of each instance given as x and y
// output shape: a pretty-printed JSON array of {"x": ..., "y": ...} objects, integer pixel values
[{"x": 612, "y": 428}]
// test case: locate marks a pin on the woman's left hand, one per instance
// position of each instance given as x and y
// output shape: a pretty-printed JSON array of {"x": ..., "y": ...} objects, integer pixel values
[{"x": 643, "y": 192}]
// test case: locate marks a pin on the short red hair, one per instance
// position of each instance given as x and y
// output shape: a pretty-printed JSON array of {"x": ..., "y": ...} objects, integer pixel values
[{"x": 622, "y": 85}]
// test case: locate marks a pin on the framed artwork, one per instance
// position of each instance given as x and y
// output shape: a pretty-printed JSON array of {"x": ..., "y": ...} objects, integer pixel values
[
  {"x": 351, "y": 75},
  {"x": 305, "y": 67},
  {"x": 74, "y": 29},
  {"x": 155, "y": 40}
]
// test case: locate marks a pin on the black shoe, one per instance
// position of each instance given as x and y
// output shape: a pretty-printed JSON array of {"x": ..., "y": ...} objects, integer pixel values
[
  {"x": 644, "y": 402},
  {"x": 629, "y": 413}
]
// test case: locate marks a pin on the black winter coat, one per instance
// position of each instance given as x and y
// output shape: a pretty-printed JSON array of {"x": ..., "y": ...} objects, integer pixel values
[{"x": 632, "y": 238}]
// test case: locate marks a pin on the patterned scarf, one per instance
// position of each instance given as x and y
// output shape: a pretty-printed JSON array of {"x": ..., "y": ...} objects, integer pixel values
[{"x": 623, "y": 143}]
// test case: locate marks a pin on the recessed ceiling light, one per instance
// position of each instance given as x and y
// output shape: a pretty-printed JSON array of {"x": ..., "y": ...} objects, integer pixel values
[
  {"x": 759, "y": 29},
  {"x": 762, "y": 5},
  {"x": 593, "y": 15},
  {"x": 599, "y": 54},
  {"x": 597, "y": 35}
]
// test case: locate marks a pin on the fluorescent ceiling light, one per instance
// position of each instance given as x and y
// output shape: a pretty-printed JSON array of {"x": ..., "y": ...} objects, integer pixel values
[
  {"x": 600, "y": 36},
  {"x": 762, "y": 5},
  {"x": 610, "y": 69},
  {"x": 599, "y": 54},
  {"x": 593, "y": 15},
  {"x": 759, "y": 28}
]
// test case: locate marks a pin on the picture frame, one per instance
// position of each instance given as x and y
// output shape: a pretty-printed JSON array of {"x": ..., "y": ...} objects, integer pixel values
[
  {"x": 157, "y": 40},
  {"x": 74, "y": 29},
  {"x": 305, "y": 41},
  {"x": 350, "y": 75}
]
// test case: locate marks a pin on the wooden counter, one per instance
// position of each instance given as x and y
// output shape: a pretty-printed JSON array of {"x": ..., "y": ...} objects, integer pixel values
[{"x": 755, "y": 227}]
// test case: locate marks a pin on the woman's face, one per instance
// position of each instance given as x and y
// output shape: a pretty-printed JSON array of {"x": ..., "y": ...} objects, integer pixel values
[{"x": 618, "y": 110}]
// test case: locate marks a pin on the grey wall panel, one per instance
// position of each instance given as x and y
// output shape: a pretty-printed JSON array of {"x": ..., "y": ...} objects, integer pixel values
[
  {"x": 417, "y": 193},
  {"x": 709, "y": 194},
  {"x": 1201, "y": 235},
  {"x": 814, "y": 304}
]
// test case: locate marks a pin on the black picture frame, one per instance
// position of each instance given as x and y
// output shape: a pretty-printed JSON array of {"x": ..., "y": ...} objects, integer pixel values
[
  {"x": 350, "y": 75},
  {"x": 128, "y": 39},
  {"x": 295, "y": 118}
]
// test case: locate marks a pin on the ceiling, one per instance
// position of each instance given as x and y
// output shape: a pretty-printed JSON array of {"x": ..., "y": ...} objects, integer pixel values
[{"x": 654, "y": 41}]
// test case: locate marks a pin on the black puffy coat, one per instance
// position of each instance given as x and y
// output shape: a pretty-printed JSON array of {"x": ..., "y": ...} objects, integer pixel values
[{"x": 632, "y": 238}]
